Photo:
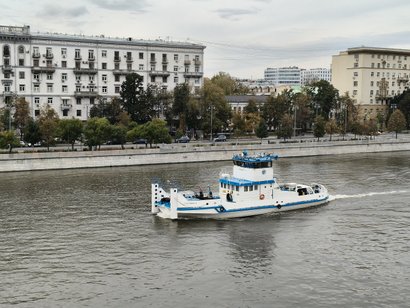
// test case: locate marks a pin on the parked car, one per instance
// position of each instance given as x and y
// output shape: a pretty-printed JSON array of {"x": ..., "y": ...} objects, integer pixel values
[
  {"x": 183, "y": 139},
  {"x": 140, "y": 141},
  {"x": 220, "y": 138}
]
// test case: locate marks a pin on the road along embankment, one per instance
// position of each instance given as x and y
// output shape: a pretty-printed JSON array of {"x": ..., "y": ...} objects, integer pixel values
[{"x": 169, "y": 154}]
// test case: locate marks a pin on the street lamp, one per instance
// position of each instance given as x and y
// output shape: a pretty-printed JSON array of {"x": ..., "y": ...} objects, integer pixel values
[{"x": 212, "y": 107}]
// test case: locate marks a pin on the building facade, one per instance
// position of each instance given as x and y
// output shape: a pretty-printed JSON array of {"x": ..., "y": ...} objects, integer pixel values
[
  {"x": 283, "y": 76},
  {"x": 315, "y": 74},
  {"x": 71, "y": 73},
  {"x": 371, "y": 76}
]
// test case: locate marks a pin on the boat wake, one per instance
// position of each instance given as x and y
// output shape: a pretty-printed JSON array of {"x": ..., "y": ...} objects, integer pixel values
[{"x": 336, "y": 197}]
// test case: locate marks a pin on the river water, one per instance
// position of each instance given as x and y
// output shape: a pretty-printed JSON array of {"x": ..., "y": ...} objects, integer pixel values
[{"x": 86, "y": 238}]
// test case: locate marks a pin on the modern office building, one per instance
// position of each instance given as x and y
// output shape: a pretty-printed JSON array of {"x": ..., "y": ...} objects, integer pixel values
[
  {"x": 315, "y": 74},
  {"x": 72, "y": 72},
  {"x": 283, "y": 76},
  {"x": 371, "y": 76}
]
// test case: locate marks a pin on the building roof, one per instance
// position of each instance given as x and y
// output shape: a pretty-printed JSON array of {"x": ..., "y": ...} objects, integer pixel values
[
  {"x": 378, "y": 50},
  {"x": 246, "y": 98}
]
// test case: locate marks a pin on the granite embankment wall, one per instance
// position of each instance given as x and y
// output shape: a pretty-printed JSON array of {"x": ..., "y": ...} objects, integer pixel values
[{"x": 183, "y": 154}]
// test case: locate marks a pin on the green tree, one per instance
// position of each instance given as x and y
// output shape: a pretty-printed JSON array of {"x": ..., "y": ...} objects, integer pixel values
[
  {"x": 119, "y": 134},
  {"x": 8, "y": 140},
  {"x": 251, "y": 107},
  {"x": 402, "y": 102},
  {"x": 97, "y": 131},
  {"x": 134, "y": 99},
  {"x": 319, "y": 129},
  {"x": 156, "y": 131},
  {"x": 229, "y": 85},
  {"x": 397, "y": 122},
  {"x": 286, "y": 127},
  {"x": 48, "y": 123},
  {"x": 276, "y": 107},
  {"x": 262, "y": 130},
  {"x": 5, "y": 118},
  {"x": 111, "y": 110},
  {"x": 324, "y": 97},
  {"x": 32, "y": 133},
  {"x": 21, "y": 115},
  {"x": 239, "y": 124},
  {"x": 331, "y": 128},
  {"x": 180, "y": 105},
  {"x": 70, "y": 130}
]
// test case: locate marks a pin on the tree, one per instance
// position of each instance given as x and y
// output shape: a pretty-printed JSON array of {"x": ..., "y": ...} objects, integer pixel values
[
  {"x": 5, "y": 118},
  {"x": 48, "y": 123},
  {"x": 229, "y": 85},
  {"x": 319, "y": 127},
  {"x": 286, "y": 127},
  {"x": 397, "y": 122},
  {"x": 134, "y": 99},
  {"x": 32, "y": 133},
  {"x": 276, "y": 107},
  {"x": 97, "y": 131},
  {"x": 331, "y": 128},
  {"x": 111, "y": 110},
  {"x": 239, "y": 124},
  {"x": 21, "y": 114},
  {"x": 262, "y": 130},
  {"x": 156, "y": 131},
  {"x": 180, "y": 105},
  {"x": 8, "y": 140},
  {"x": 402, "y": 102},
  {"x": 251, "y": 107},
  {"x": 70, "y": 130},
  {"x": 119, "y": 134},
  {"x": 324, "y": 97}
]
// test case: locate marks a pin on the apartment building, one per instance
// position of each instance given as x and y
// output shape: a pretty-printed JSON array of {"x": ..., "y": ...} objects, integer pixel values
[
  {"x": 283, "y": 76},
  {"x": 72, "y": 72},
  {"x": 371, "y": 76},
  {"x": 315, "y": 74}
]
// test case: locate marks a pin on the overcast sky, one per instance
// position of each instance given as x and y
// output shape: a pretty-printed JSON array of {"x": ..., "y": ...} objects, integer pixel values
[{"x": 241, "y": 37}]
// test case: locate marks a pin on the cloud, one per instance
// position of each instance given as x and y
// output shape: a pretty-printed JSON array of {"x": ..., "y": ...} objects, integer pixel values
[
  {"x": 234, "y": 13},
  {"x": 54, "y": 11},
  {"x": 122, "y": 5}
]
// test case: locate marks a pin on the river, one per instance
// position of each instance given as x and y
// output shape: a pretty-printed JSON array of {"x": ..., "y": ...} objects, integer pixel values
[{"x": 86, "y": 238}]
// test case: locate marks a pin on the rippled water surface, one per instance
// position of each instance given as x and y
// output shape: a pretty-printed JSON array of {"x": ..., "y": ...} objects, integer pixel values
[{"x": 86, "y": 238}]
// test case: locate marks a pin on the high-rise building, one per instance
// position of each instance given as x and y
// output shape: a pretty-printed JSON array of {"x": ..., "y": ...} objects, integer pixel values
[
  {"x": 315, "y": 74},
  {"x": 71, "y": 72},
  {"x": 283, "y": 76},
  {"x": 371, "y": 76}
]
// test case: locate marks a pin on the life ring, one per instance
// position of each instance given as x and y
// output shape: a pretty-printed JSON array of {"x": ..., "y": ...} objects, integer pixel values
[
  {"x": 261, "y": 196},
  {"x": 279, "y": 206}
]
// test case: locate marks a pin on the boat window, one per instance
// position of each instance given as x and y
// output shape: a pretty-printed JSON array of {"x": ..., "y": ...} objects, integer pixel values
[
  {"x": 251, "y": 188},
  {"x": 237, "y": 188},
  {"x": 222, "y": 185},
  {"x": 255, "y": 187},
  {"x": 245, "y": 188}
]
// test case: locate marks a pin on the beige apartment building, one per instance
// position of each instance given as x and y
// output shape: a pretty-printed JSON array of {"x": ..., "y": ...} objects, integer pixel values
[{"x": 371, "y": 76}]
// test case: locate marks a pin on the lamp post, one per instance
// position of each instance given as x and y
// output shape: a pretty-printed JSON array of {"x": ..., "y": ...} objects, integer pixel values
[{"x": 210, "y": 138}]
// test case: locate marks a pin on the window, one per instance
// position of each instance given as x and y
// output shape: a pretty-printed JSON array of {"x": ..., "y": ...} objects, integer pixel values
[
  {"x": 91, "y": 100},
  {"x": 152, "y": 78},
  {"x": 245, "y": 188},
  {"x": 77, "y": 88},
  {"x": 176, "y": 79},
  {"x": 64, "y": 89},
  {"x": 37, "y": 100},
  {"x": 104, "y": 78},
  {"x": 117, "y": 89},
  {"x": 141, "y": 67},
  {"x": 354, "y": 92},
  {"x": 371, "y": 74},
  {"x": 36, "y": 112},
  {"x": 355, "y": 74},
  {"x": 21, "y": 62},
  {"x": 91, "y": 78},
  {"x": 63, "y": 63},
  {"x": 63, "y": 52},
  {"x": 77, "y": 53},
  {"x": 355, "y": 83},
  {"x": 36, "y": 52},
  {"x": 36, "y": 63},
  {"x": 78, "y": 78},
  {"x": 49, "y": 88},
  {"x": 117, "y": 78},
  {"x": 78, "y": 101},
  {"x": 79, "y": 113},
  {"x": 22, "y": 88},
  {"x": 164, "y": 79},
  {"x": 196, "y": 80},
  {"x": 355, "y": 65},
  {"x": 237, "y": 188},
  {"x": 65, "y": 112},
  {"x": 378, "y": 65},
  {"x": 175, "y": 68},
  {"x": 116, "y": 66},
  {"x": 91, "y": 54},
  {"x": 175, "y": 57},
  {"x": 104, "y": 53},
  {"x": 49, "y": 100},
  {"x": 141, "y": 55},
  {"x": 129, "y": 66},
  {"x": 164, "y": 68},
  {"x": 104, "y": 89},
  {"x": 129, "y": 56},
  {"x": 64, "y": 77},
  {"x": 22, "y": 75},
  {"x": 371, "y": 92},
  {"x": 36, "y": 88},
  {"x": 371, "y": 83},
  {"x": 49, "y": 76}
]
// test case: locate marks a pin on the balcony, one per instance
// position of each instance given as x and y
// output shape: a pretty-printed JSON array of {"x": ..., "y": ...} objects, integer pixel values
[
  {"x": 164, "y": 61},
  {"x": 153, "y": 61},
  {"x": 159, "y": 73},
  {"x": 89, "y": 71},
  {"x": 66, "y": 107},
  {"x": 197, "y": 62},
  {"x": 49, "y": 55},
  {"x": 36, "y": 55},
  {"x": 129, "y": 59},
  {"x": 117, "y": 59},
  {"x": 193, "y": 74},
  {"x": 85, "y": 94},
  {"x": 7, "y": 69},
  {"x": 122, "y": 72},
  {"x": 91, "y": 58},
  {"x": 43, "y": 69},
  {"x": 8, "y": 93},
  {"x": 77, "y": 57},
  {"x": 187, "y": 62}
]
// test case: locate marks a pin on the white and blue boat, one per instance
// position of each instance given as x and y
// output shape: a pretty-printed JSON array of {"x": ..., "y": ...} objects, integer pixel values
[{"x": 251, "y": 190}]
